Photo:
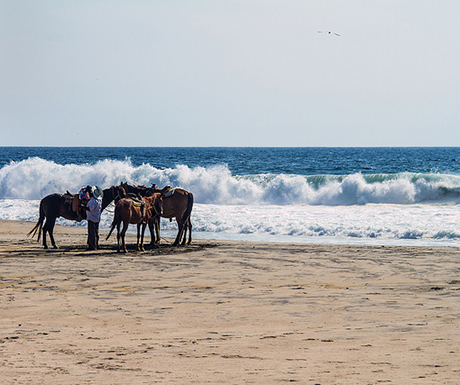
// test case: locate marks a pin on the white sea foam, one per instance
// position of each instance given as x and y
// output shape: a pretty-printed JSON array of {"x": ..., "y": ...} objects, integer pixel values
[
  {"x": 35, "y": 178},
  {"x": 371, "y": 223},
  {"x": 353, "y": 208}
]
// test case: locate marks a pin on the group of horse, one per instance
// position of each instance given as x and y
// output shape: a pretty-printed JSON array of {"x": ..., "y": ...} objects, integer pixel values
[{"x": 139, "y": 205}]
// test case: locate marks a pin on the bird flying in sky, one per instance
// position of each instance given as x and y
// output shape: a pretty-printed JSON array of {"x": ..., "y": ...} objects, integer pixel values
[{"x": 329, "y": 33}]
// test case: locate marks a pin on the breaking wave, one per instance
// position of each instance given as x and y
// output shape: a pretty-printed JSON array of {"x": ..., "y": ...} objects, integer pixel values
[{"x": 34, "y": 178}]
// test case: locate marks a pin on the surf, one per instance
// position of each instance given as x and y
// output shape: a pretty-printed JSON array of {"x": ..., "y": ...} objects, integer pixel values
[{"x": 34, "y": 178}]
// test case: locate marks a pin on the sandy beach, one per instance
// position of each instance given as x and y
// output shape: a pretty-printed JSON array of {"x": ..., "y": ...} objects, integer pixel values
[{"x": 226, "y": 312}]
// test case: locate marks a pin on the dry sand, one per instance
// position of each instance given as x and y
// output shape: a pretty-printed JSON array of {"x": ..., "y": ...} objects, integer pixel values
[{"x": 226, "y": 312}]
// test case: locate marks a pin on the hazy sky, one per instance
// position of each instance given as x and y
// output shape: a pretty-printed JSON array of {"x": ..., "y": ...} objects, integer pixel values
[{"x": 230, "y": 73}]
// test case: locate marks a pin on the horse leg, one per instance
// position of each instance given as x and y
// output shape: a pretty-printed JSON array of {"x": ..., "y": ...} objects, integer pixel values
[
  {"x": 138, "y": 248},
  {"x": 180, "y": 225},
  {"x": 118, "y": 237},
  {"x": 157, "y": 229},
  {"x": 152, "y": 230},
  {"x": 184, "y": 234},
  {"x": 123, "y": 232},
  {"x": 52, "y": 239},
  {"x": 144, "y": 225},
  {"x": 49, "y": 227},
  {"x": 44, "y": 237},
  {"x": 189, "y": 226},
  {"x": 187, "y": 221},
  {"x": 154, "y": 227}
]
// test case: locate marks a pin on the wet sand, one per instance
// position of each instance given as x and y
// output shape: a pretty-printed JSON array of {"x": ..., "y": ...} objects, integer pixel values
[{"x": 226, "y": 312}]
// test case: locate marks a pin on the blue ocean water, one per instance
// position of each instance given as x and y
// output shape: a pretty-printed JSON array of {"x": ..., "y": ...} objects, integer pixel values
[
  {"x": 351, "y": 195},
  {"x": 247, "y": 160}
]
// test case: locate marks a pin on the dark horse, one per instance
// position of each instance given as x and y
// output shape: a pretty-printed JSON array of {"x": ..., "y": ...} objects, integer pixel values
[
  {"x": 111, "y": 194},
  {"x": 129, "y": 211},
  {"x": 54, "y": 206},
  {"x": 177, "y": 205}
]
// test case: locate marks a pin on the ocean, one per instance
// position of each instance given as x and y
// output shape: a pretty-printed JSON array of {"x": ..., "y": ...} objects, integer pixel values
[{"x": 387, "y": 196}]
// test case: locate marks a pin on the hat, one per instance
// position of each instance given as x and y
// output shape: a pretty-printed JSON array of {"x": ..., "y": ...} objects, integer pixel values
[{"x": 97, "y": 192}]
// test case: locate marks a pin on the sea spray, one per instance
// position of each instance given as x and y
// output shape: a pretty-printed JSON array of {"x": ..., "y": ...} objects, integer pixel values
[
  {"x": 270, "y": 205},
  {"x": 35, "y": 178}
]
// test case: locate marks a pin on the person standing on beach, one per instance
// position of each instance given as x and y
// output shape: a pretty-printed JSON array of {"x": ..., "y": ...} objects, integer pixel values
[{"x": 93, "y": 216}]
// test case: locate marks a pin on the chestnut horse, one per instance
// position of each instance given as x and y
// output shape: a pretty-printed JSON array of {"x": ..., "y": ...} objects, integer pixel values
[
  {"x": 127, "y": 211},
  {"x": 178, "y": 205},
  {"x": 54, "y": 206}
]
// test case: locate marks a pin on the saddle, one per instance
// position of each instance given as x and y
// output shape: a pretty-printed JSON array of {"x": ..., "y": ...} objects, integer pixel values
[
  {"x": 167, "y": 191},
  {"x": 73, "y": 203},
  {"x": 137, "y": 200}
]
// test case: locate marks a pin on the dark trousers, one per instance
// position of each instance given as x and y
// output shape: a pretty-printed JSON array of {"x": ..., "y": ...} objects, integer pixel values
[{"x": 93, "y": 235}]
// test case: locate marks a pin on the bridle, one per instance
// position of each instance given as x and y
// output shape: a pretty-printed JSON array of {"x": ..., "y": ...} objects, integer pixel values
[
  {"x": 121, "y": 193},
  {"x": 157, "y": 214}
]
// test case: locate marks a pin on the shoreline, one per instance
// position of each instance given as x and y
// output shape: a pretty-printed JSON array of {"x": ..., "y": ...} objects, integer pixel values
[
  {"x": 226, "y": 312},
  {"x": 277, "y": 239}
]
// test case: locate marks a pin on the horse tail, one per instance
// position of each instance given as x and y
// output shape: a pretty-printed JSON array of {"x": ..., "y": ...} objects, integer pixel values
[
  {"x": 188, "y": 211},
  {"x": 39, "y": 225},
  {"x": 116, "y": 215}
]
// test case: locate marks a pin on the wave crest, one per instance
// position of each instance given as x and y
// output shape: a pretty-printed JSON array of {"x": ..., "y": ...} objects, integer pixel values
[{"x": 35, "y": 178}]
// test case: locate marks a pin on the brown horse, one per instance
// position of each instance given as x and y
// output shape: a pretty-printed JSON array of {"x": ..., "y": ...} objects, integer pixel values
[
  {"x": 127, "y": 211},
  {"x": 54, "y": 206},
  {"x": 178, "y": 205}
]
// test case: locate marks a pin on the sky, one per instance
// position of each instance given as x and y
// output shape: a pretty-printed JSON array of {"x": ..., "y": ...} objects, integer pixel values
[{"x": 230, "y": 73}]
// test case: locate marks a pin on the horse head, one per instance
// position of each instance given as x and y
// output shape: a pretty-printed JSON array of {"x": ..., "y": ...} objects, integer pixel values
[
  {"x": 120, "y": 192},
  {"x": 113, "y": 193},
  {"x": 156, "y": 205}
]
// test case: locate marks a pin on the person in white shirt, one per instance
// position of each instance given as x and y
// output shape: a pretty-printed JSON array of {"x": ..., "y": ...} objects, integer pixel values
[{"x": 93, "y": 216}]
